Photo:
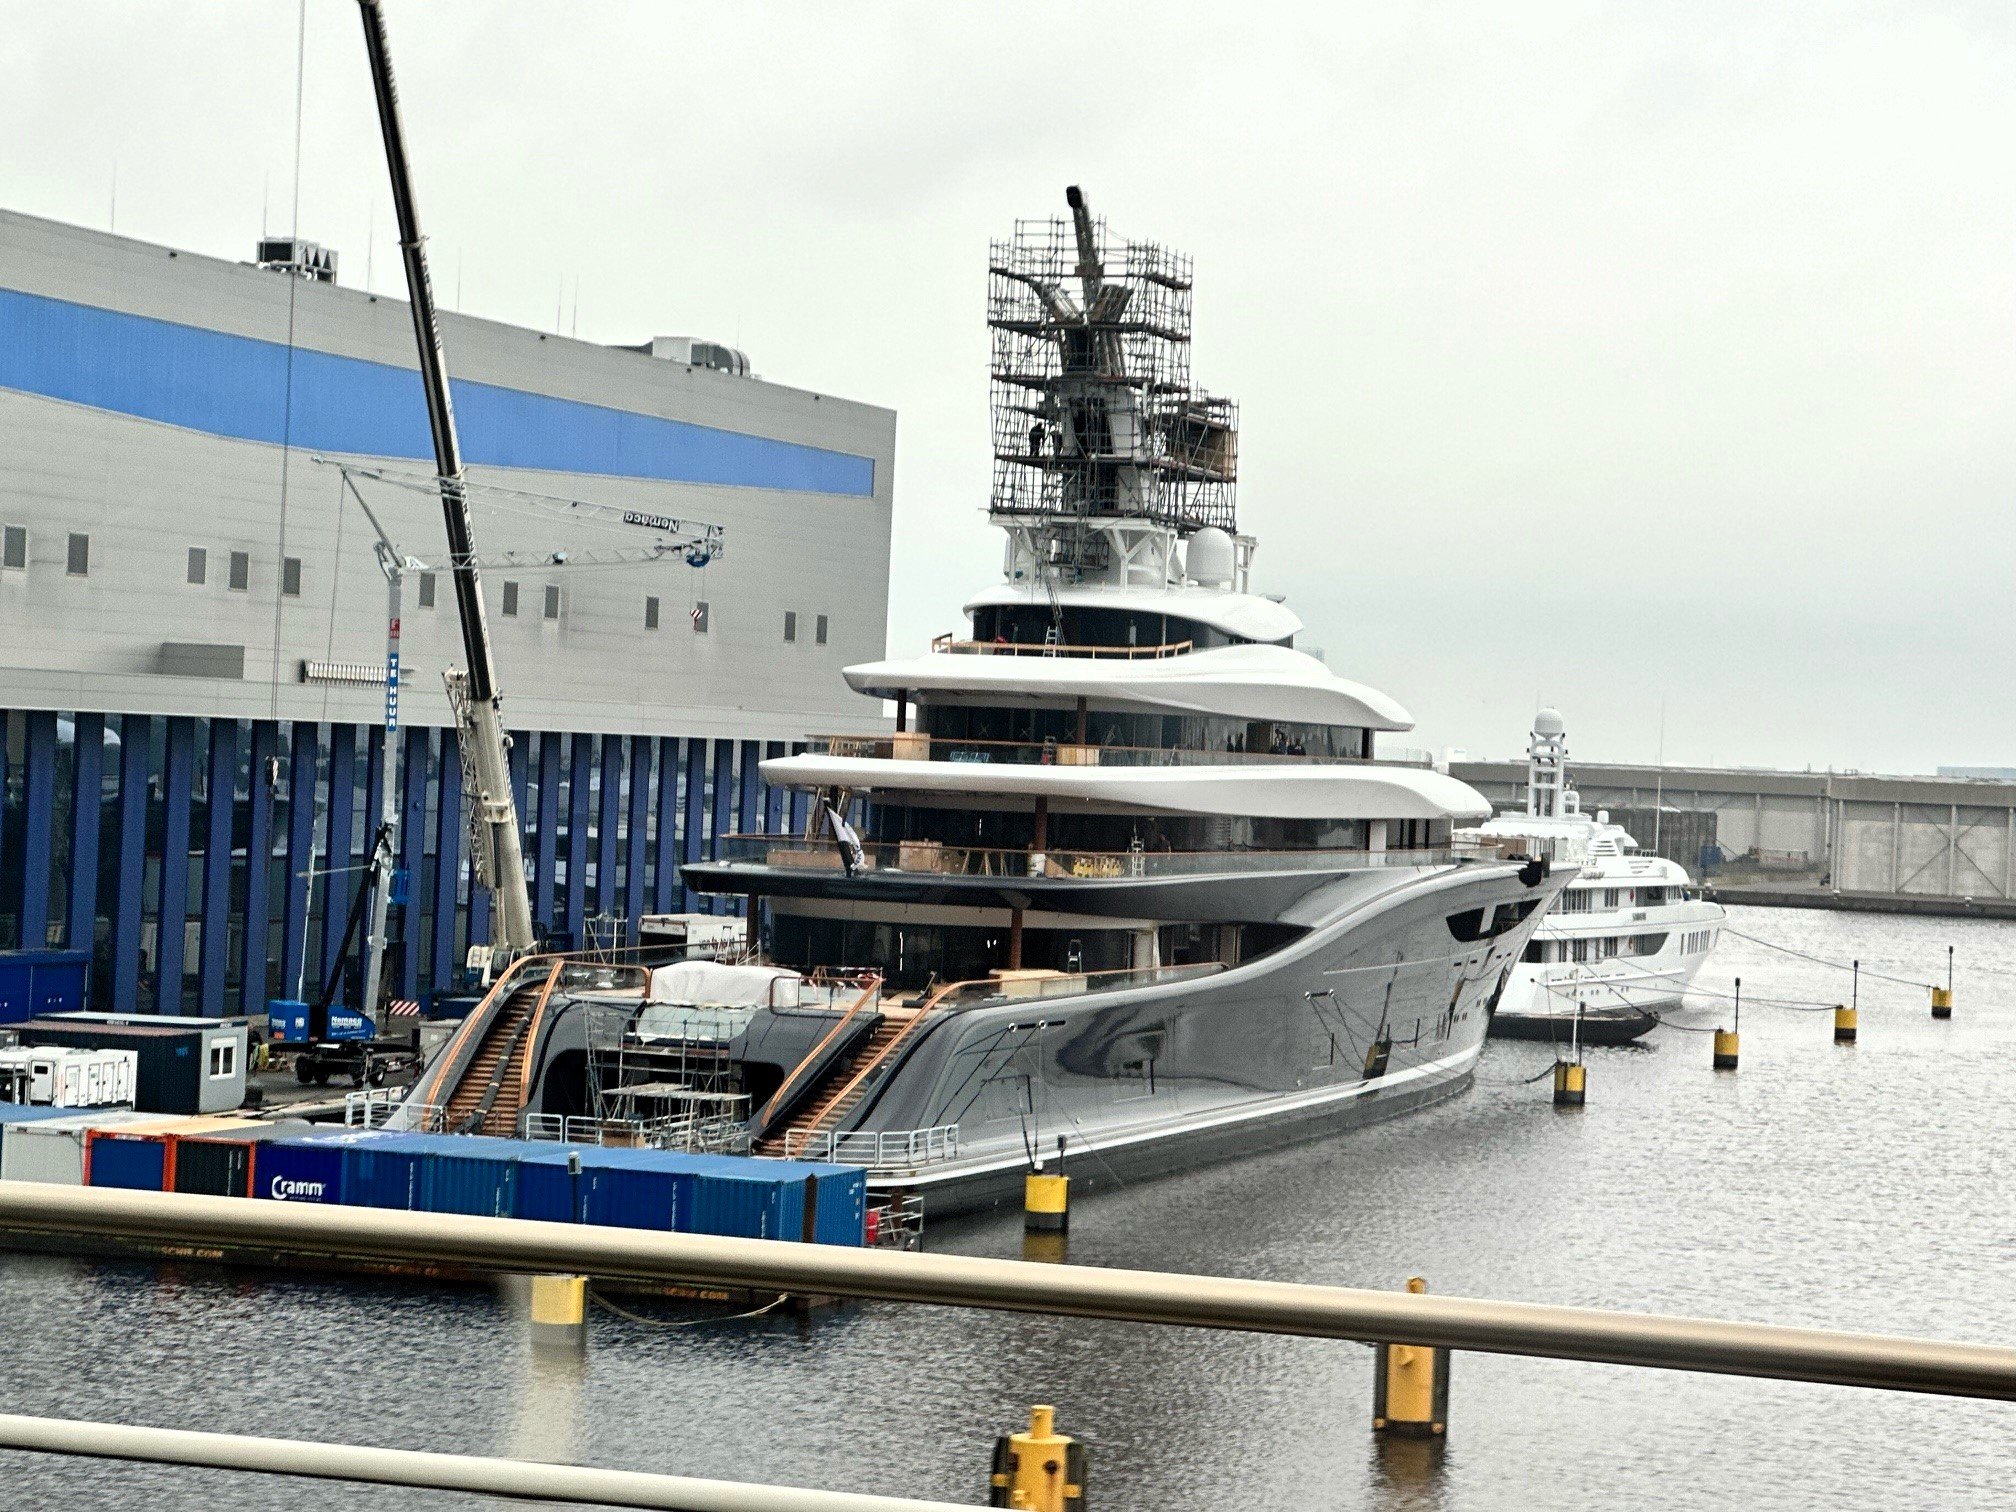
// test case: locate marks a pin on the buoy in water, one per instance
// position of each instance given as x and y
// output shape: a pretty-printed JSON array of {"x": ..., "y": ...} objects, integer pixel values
[
  {"x": 1727, "y": 1044},
  {"x": 1571, "y": 1080}
]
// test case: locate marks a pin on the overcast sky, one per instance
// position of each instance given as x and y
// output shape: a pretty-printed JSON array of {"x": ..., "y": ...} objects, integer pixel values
[{"x": 1622, "y": 356}]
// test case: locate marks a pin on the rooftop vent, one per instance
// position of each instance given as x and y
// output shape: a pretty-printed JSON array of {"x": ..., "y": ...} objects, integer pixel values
[
  {"x": 304, "y": 259},
  {"x": 697, "y": 353}
]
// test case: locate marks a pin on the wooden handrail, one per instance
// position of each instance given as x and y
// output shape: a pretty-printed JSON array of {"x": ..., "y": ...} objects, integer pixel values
[{"x": 812, "y": 1055}]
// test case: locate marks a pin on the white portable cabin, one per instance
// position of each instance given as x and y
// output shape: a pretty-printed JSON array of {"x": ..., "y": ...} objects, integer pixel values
[
  {"x": 57, "y": 1076},
  {"x": 53, "y": 1150}
]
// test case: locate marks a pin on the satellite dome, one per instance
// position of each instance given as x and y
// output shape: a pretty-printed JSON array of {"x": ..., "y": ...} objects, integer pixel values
[
  {"x": 1549, "y": 722},
  {"x": 1210, "y": 558}
]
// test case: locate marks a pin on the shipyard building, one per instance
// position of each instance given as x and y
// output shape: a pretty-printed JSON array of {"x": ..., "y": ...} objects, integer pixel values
[{"x": 193, "y": 618}]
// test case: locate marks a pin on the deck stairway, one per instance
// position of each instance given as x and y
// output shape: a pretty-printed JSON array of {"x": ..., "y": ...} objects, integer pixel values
[
  {"x": 490, "y": 1089},
  {"x": 851, "y": 1082}
]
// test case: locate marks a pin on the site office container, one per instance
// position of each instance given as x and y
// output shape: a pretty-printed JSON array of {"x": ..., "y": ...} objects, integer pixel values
[
  {"x": 141, "y": 1157},
  {"x": 60, "y": 1076},
  {"x": 616, "y": 1187},
  {"x": 227, "y": 1163},
  {"x": 310, "y": 1166},
  {"x": 436, "y": 1173},
  {"x": 52, "y": 1149},
  {"x": 14, "y": 1115}
]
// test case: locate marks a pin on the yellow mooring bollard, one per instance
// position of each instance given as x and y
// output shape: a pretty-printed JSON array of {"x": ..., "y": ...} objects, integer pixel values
[
  {"x": 1844, "y": 1024},
  {"x": 1410, "y": 1388},
  {"x": 1942, "y": 1002},
  {"x": 1046, "y": 1202},
  {"x": 1571, "y": 1080},
  {"x": 559, "y": 1312},
  {"x": 1041, "y": 1469},
  {"x": 1728, "y": 1042}
]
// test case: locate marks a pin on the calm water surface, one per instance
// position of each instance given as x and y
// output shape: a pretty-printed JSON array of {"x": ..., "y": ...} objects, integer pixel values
[{"x": 1863, "y": 1188}]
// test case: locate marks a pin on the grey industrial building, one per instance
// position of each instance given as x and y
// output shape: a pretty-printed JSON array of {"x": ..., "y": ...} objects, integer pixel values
[
  {"x": 1949, "y": 840},
  {"x": 194, "y": 622}
]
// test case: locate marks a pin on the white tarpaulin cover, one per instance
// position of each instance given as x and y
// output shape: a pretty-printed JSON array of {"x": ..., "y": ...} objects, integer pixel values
[{"x": 711, "y": 984}]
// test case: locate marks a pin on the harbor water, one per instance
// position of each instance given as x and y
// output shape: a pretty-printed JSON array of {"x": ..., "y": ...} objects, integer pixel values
[{"x": 1864, "y": 1187}]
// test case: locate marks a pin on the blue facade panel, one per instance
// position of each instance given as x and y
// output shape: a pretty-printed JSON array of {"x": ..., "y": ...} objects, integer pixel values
[
  {"x": 87, "y": 795},
  {"x": 608, "y": 825},
  {"x": 412, "y": 845},
  {"x": 337, "y": 886},
  {"x": 38, "y": 822},
  {"x": 634, "y": 842},
  {"x": 447, "y": 865},
  {"x": 581, "y": 762},
  {"x": 236, "y": 386},
  {"x": 549, "y": 824},
  {"x": 215, "y": 964},
  {"x": 305, "y": 754},
  {"x": 135, "y": 731},
  {"x": 665, "y": 880},
  {"x": 255, "y": 947},
  {"x": 177, "y": 785}
]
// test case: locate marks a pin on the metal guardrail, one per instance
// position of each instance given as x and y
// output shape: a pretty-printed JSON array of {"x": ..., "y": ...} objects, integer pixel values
[
  {"x": 917, "y": 746},
  {"x": 417, "y": 1469},
  {"x": 935, "y": 858},
  {"x": 877, "y": 1149},
  {"x": 948, "y": 645},
  {"x": 374, "y": 1107},
  {"x": 1768, "y": 1350}
]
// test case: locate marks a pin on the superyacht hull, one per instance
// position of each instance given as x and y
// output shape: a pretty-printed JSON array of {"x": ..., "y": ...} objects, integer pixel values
[
  {"x": 1381, "y": 1008},
  {"x": 1619, "y": 1001}
]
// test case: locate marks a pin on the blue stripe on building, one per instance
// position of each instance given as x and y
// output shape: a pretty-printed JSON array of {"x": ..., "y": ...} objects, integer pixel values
[{"x": 235, "y": 386}]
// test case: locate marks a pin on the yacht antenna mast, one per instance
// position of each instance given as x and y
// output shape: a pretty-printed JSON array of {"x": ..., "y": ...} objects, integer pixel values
[{"x": 481, "y": 714}]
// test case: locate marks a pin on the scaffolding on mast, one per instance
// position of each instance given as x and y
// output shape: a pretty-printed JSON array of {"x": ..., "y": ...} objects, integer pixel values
[{"x": 1095, "y": 417}]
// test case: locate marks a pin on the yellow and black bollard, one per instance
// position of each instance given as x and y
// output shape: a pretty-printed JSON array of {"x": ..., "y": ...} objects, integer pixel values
[
  {"x": 1046, "y": 1202},
  {"x": 1410, "y": 1387},
  {"x": 559, "y": 1312},
  {"x": 1844, "y": 1024},
  {"x": 1041, "y": 1469},
  {"x": 1571, "y": 1080},
  {"x": 1728, "y": 1042},
  {"x": 1942, "y": 997}
]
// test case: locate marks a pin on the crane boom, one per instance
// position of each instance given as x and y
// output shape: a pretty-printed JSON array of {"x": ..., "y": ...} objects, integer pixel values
[{"x": 485, "y": 743}]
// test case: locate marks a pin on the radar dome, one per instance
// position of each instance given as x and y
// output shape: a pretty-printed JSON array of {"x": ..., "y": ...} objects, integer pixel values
[
  {"x": 1208, "y": 560},
  {"x": 1549, "y": 722}
]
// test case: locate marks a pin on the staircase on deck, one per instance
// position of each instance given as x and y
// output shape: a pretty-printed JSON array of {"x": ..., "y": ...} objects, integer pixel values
[
  {"x": 490, "y": 1093},
  {"x": 849, "y": 1083}
]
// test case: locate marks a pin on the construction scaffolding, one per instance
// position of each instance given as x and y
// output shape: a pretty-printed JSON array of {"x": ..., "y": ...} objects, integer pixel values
[{"x": 1094, "y": 412}]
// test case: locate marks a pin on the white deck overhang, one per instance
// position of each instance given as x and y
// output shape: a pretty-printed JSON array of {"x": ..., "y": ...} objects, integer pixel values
[
  {"x": 1239, "y": 682},
  {"x": 1316, "y": 791}
]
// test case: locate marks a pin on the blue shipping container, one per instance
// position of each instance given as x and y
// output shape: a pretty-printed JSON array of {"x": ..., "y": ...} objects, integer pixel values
[
  {"x": 451, "y": 1173},
  {"x": 35, "y": 982},
  {"x": 746, "y": 1198},
  {"x": 619, "y": 1188},
  {"x": 132, "y": 1161},
  {"x": 309, "y": 1167}
]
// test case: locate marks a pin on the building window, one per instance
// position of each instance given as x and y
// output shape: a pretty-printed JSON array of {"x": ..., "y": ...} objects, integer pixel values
[
  {"x": 290, "y": 577},
  {"x": 511, "y": 600},
  {"x": 80, "y": 555},
  {"x": 552, "y": 601},
  {"x": 700, "y": 617},
  {"x": 241, "y": 570},
  {"x": 819, "y": 630},
  {"x": 14, "y": 546},
  {"x": 223, "y": 1060},
  {"x": 790, "y": 624},
  {"x": 199, "y": 564},
  {"x": 426, "y": 590},
  {"x": 650, "y": 613}
]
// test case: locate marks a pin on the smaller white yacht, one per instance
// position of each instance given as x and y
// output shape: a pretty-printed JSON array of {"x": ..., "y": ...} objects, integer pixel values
[{"x": 1624, "y": 939}]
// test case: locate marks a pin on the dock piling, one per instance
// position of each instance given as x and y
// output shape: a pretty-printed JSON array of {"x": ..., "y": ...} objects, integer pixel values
[
  {"x": 1042, "y": 1470},
  {"x": 1410, "y": 1389}
]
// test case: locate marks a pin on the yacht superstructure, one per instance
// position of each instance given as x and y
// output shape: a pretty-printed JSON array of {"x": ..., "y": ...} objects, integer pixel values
[
  {"x": 1127, "y": 874},
  {"x": 1625, "y": 938}
]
